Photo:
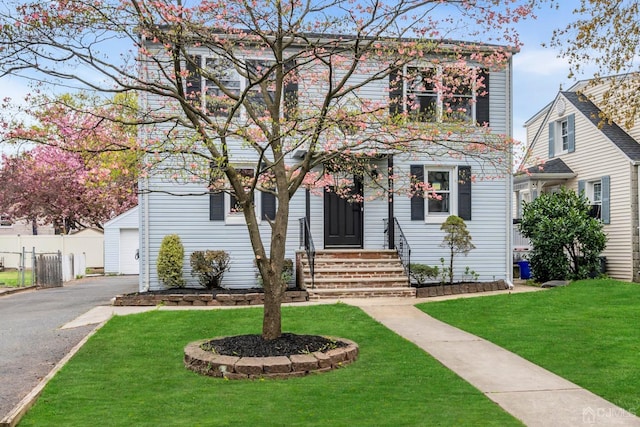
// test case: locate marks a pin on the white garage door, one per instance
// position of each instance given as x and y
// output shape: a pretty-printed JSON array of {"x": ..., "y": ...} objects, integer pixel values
[{"x": 128, "y": 249}]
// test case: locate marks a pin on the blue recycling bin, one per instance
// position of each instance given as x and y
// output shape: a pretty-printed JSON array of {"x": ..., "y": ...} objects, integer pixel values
[{"x": 525, "y": 269}]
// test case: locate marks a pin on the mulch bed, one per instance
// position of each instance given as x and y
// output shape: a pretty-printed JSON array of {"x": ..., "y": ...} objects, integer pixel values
[{"x": 256, "y": 346}]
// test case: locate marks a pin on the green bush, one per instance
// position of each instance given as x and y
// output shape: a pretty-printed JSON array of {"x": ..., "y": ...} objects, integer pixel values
[
  {"x": 421, "y": 273},
  {"x": 210, "y": 267},
  {"x": 566, "y": 240},
  {"x": 287, "y": 272},
  {"x": 169, "y": 264}
]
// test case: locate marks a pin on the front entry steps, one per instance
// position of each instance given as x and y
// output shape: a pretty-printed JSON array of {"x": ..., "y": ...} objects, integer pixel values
[{"x": 356, "y": 273}]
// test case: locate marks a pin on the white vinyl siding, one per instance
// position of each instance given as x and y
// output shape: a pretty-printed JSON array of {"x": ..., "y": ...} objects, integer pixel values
[
  {"x": 188, "y": 215},
  {"x": 115, "y": 249},
  {"x": 594, "y": 157}
]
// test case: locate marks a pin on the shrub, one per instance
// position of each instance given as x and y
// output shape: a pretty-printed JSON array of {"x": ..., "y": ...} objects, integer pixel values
[
  {"x": 287, "y": 272},
  {"x": 457, "y": 239},
  {"x": 210, "y": 267},
  {"x": 421, "y": 273},
  {"x": 566, "y": 240},
  {"x": 169, "y": 264}
]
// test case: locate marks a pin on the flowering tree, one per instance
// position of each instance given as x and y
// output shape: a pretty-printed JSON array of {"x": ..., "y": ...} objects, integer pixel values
[
  {"x": 197, "y": 110},
  {"x": 78, "y": 175},
  {"x": 605, "y": 35}
]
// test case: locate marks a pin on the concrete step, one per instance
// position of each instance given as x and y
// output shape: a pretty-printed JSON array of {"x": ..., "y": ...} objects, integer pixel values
[
  {"x": 357, "y": 282},
  {"x": 400, "y": 292},
  {"x": 338, "y": 271}
]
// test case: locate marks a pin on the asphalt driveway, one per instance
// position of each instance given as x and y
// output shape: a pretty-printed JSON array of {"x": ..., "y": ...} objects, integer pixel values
[{"x": 31, "y": 341}]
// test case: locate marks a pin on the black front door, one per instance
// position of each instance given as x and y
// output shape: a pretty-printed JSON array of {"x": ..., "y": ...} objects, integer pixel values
[{"x": 343, "y": 219}]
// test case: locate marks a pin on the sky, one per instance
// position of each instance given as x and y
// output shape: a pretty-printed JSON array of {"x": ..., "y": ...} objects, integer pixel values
[{"x": 538, "y": 72}]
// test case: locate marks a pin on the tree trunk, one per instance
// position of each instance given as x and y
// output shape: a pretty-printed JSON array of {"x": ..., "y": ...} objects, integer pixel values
[{"x": 272, "y": 319}]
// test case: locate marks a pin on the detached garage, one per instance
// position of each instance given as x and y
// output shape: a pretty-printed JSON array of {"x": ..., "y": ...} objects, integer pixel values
[{"x": 121, "y": 243}]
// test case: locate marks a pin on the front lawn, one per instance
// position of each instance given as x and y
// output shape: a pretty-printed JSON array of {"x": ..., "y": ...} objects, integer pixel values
[
  {"x": 587, "y": 332},
  {"x": 131, "y": 373}
]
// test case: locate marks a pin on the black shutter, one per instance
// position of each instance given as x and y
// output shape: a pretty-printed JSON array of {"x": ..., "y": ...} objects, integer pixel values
[
  {"x": 268, "y": 201},
  {"x": 395, "y": 92},
  {"x": 194, "y": 80},
  {"x": 290, "y": 89},
  {"x": 464, "y": 192},
  {"x": 216, "y": 206},
  {"x": 417, "y": 198},
  {"x": 216, "y": 199},
  {"x": 482, "y": 101},
  {"x": 268, "y": 206}
]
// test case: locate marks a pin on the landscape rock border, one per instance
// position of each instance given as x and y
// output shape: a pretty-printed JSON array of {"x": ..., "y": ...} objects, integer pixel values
[
  {"x": 203, "y": 299},
  {"x": 460, "y": 288},
  {"x": 278, "y": 367}
]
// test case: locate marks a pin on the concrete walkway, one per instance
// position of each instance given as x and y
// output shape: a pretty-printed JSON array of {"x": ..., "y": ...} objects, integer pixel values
[{"x": 530, "y": 393}]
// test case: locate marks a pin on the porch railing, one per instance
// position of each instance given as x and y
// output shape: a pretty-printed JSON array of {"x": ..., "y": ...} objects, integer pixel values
[
  {"x": 306, "y": 242},
  {"x": 400, "y": 244},
  {"x": 520, "y": 242}
]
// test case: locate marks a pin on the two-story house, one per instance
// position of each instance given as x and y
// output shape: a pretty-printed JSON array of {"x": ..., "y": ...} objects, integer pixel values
[
  {"x": 473, "y": 187},
  {"x": 568, "y": 144}
]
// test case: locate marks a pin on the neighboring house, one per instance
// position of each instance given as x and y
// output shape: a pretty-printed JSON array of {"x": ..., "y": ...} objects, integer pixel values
[
  {"x": 24, "y": 228},
  {"x": 212, "y": 222},
  {"x": 568, "y": 145},
  {"x": 121, "y": 243}
]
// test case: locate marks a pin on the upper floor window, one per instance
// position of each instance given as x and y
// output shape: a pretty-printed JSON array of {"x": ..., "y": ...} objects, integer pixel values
[
  {"x": 562, "y": 136},
  {"x": 217, "y": 102},
  {"x": 431, "y": 94},
  {"x": 223, "y": 84}
]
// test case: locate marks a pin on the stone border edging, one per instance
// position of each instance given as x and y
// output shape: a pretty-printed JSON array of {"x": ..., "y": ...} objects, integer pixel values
[
  {"x": 460, "y": 288},
  {"x": 279, "y": 367},
  {"x": 253, "y": 298}
]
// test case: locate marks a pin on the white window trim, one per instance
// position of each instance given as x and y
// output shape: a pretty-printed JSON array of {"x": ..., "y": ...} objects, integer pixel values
[
  {"x": 242, "y": 114},
  {"x": 440, "y": 217},
  {"x": 559, "y": 149},
  {"x": 237, "y": 218},
  {"x": 439, "y": 97}
]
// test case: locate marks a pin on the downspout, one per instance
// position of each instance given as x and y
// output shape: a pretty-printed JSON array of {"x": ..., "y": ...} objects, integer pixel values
[
  {"x": 509, "y": 188},
  {"x": 143, "y": 216},
  {"x": 635, "y": 164}
]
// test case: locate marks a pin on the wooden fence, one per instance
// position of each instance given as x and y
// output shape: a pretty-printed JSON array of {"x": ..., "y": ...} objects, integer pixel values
[{"x": 49, "y": 270}]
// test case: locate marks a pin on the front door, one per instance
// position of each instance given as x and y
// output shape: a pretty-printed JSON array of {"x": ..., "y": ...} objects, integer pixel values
[{"x": 343, "y": 222}]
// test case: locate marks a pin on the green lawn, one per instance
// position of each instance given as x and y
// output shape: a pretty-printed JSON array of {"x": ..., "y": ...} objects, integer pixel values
[
  {"x": 587, "y": 332},
  {"x": 13, "y": 278},
  {"x": 131, "y": 373}
]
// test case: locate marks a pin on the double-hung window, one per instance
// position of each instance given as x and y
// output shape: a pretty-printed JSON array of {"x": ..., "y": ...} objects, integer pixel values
[
  {"x": 439, "y": 94},
  {"x": 441, "y": 201},
  {"x": 224, "y": 205},
  {"x": 217, "y": 102},
  {"x": 562, "y": 137},
  {"x": 448, "y": 192},
  {"x": 223, "y": 83},
  {"x": 598, "y": 192}
]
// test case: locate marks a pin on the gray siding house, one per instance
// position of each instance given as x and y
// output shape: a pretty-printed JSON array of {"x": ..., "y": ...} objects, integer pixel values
[
  {"x": 470, "y": 187},
  {"x": 601, "y": 159}
]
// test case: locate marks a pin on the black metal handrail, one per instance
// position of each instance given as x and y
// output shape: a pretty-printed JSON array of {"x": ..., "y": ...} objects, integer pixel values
[
  {"x": 400, "y": 244},
  {"x": 306, "y": 242}
]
